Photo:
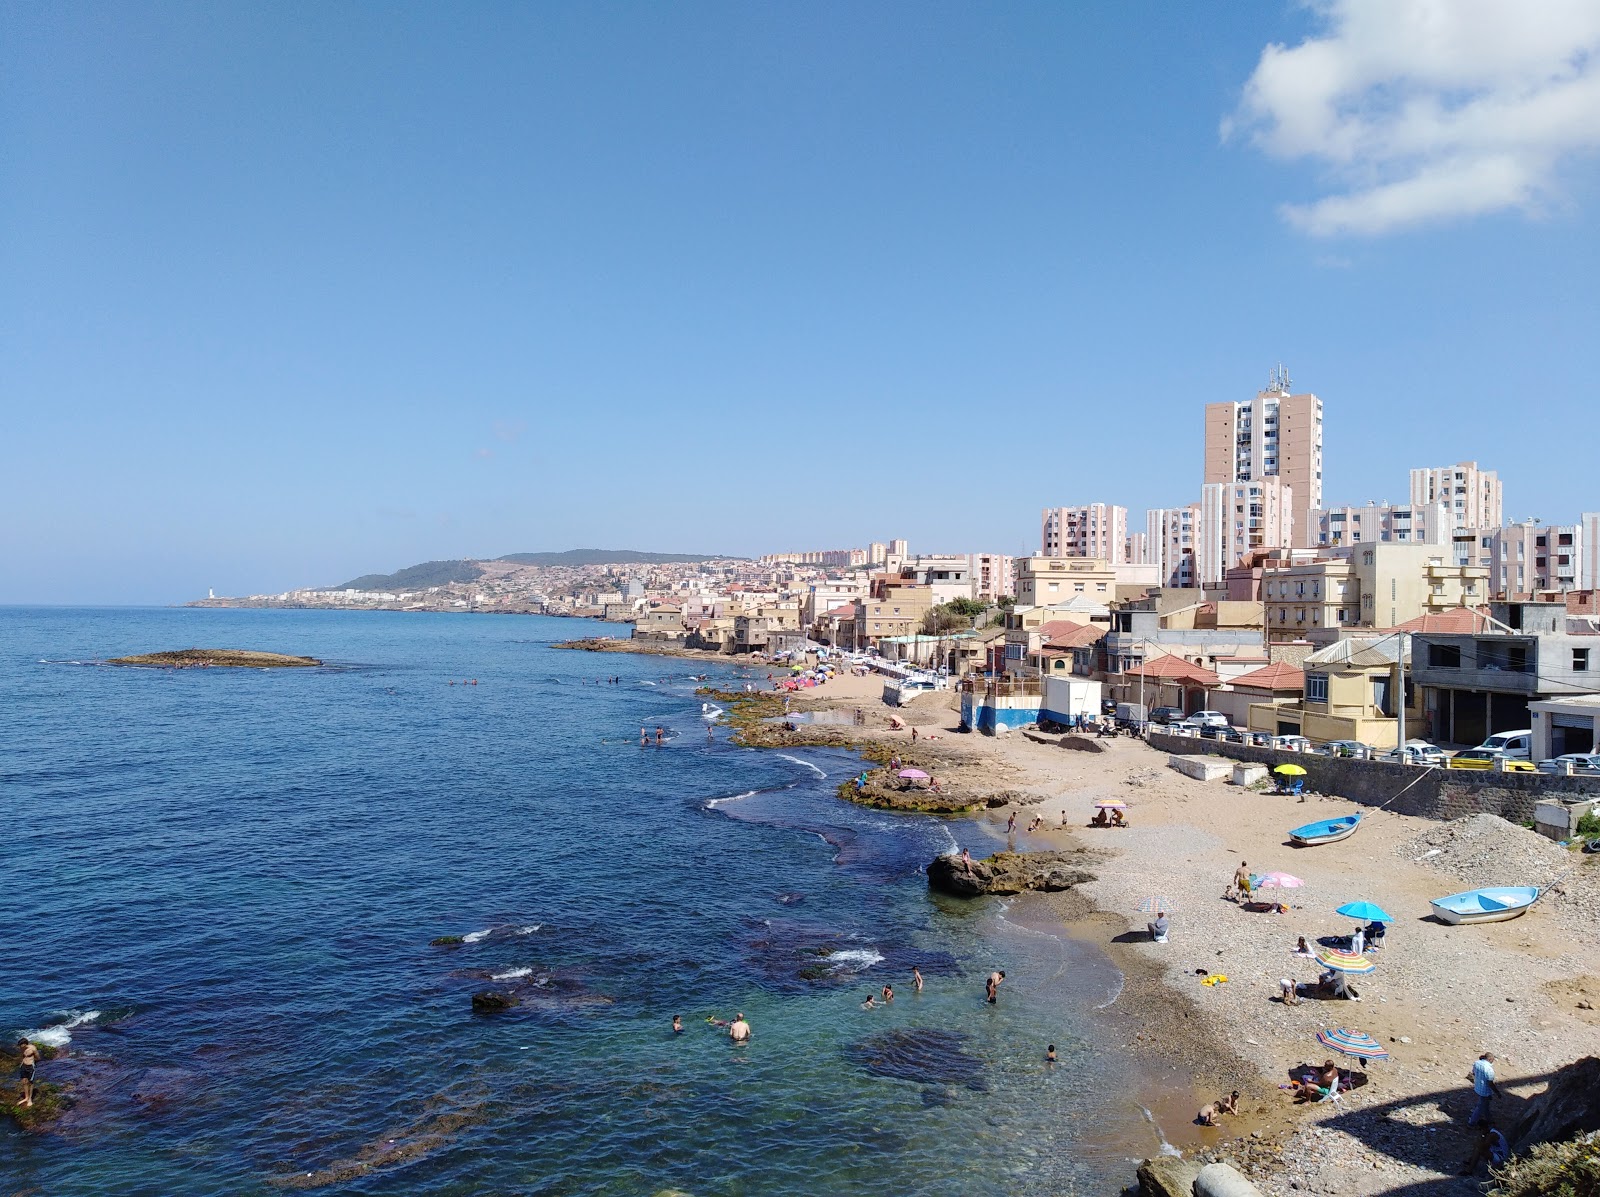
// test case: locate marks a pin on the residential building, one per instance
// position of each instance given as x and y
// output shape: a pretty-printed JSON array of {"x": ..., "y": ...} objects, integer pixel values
[
  {"x": 1529, "y": 557},
  {"x": 1170, "y": 543},
  {"x": 1138, "y": 548},
  {"x": 899, "y": 548},
  {"x": 1091, "y": 530},
  {"x": 1589, "y": 575},
  {"x": 949, "y": 576},
  {"x": 1237, "y": 519},
  {"x": 1366, "y": 586},
  {"x": 1275, "y": 435},
  {"x": 992, "y": 576},
  {"x": 1477, "y": 683},
  {"x": 1472, "y": 496},
  {"x": 1380, "y": 522},
  {"x": 1222, "y": 639},
  {"x": 894, "y": 608},
  {"x": 877, "y": 553},
  {"x": 1042, "y": 581},
  {"x": 1279, "y": 682},
  {"x": 1027, "y": 629},
  {"x": 1350, "y": 694}
]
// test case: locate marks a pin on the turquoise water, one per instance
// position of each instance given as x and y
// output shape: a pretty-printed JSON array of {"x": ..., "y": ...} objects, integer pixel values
[{"x": 222, "y": 884}]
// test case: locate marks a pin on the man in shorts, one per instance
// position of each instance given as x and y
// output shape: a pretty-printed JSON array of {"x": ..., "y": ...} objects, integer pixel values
[{"x": 29, "y": 1062}]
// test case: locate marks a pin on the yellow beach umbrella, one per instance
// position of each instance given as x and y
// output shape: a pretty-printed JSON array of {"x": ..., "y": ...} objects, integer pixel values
[{"x": 1290, "y": 770}]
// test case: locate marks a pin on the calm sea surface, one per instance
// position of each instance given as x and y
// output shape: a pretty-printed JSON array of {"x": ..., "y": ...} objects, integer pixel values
[{"x": 220, "y": 888}]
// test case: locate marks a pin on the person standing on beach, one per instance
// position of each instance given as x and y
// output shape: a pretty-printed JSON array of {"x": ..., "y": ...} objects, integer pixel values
[
  {"x": 28, "y": 1062},
  {"x": 1483, "y": 1086},
  {"x": 1241, "y": 883},
  {"x": 991, "y": 987},
  {"x": 739, "y": 1030}
]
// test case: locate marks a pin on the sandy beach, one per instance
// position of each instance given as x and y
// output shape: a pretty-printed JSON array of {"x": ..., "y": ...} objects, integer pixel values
[{"x": 1439, "y": 997}]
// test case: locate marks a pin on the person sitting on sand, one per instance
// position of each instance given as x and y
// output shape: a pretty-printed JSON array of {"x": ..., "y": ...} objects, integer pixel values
[
  {"x": 1100, "y": 819},
  {"x": 1301, "y": 947},
  {"x": 1117, "y": 818},
  {"x": 1211, "y": 1115},
  {"x": 1158, "y": 929}
]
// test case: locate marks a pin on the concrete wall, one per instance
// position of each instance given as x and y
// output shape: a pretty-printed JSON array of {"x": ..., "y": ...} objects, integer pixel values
[{"x": 1435, "y": 794}]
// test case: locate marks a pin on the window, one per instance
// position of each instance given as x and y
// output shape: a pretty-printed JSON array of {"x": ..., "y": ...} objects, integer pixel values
[
  {"x": 1316, "y": 687},
  {"x": 1444, "y": 656},
  {"x": 1580, "y": 660}
]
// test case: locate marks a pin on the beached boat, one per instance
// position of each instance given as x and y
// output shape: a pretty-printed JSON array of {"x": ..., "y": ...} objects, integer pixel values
[
  {"x": 1326, "y": 831},
  {"x": 1492, "y": 905}
]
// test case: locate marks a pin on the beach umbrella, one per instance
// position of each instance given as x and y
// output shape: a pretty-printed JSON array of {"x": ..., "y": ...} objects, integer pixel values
[
  {"x": 1156, "y": 904},
  {"x": 1353, "y": 1043},
  {"x": 911, "y": 773},
  {"x": 1365, "y": 910},
  {"x": 1290, "y": 770},
  {"x": 1344, "y": 962},
  {"x": 1111, "y": 804},
  {"x": 1276, "y": 881}
]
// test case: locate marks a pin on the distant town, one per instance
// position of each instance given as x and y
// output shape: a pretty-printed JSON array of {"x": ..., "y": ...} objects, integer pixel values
[{"x": 1289, "y": 614}]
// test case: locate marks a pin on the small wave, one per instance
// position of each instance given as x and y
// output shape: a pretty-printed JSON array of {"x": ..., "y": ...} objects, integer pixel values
[
  {"x": 855, "y": 960},
  {"x": 714, "y": 803},
  {"x": 807, "y": 764},
  {"x": 1115, "y": 994},
  {"x": 477, "y": 936},
  {"x": 60, "y": 1034},
  {"x": 1165, "y": 1147},
  {"x": 529, "y": 929},
  {"x": 513, "y": 975},
  {"x": 647, "y": 683}
]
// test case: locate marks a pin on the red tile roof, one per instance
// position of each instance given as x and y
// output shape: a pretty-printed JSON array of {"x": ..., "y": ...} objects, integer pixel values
[
  {"x": 1169, "y": 668},
  {"x": 1280, "y": 675},
  {"x": 1457, "y": 620},
  {"x": 1075, "y": 637}
]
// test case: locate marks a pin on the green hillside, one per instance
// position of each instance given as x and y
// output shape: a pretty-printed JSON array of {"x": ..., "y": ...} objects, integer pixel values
[{"x": 417, "y": 577}]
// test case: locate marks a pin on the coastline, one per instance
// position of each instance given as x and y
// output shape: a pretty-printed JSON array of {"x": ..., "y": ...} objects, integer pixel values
[{"x": 1439, "y": 998}]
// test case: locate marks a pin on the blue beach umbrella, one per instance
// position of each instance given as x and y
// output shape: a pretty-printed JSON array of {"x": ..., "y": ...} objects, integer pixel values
[{"x": 1365, "y": 910}]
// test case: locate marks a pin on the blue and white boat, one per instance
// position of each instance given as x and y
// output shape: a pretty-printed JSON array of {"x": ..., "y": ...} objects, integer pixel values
[
  {"x": 1493, "y": 905},
  {"x": 1325, "y": 832}
]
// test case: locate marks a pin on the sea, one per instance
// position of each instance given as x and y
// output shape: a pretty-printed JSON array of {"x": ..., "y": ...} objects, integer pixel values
[{"x": 223, "y": 888}]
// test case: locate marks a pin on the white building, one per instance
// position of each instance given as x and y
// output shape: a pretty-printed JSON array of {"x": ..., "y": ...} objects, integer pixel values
[
  {"x": 1089, "y": 530},
  {"x": 1169, "y": 543},
  {"x": 1429, "y": 523},
  {"x": 1238, "y": 518},
  {"x": 1474, "y": 500},
  {"x": 1277, "y": 434}
]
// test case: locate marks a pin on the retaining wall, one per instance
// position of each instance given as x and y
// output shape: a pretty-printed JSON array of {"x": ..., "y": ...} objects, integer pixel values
[{"x": 1435, "y": 794}]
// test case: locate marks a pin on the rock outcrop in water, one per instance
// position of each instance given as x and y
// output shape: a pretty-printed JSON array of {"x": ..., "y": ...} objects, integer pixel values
[
  {"x": 493, "y": 1001},
  {"x": 1009, "y": 873},
  {"x": 216, "y": 658}
]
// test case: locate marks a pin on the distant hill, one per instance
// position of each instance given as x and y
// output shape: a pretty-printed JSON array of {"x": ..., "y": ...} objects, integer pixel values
[
  {"x": 442, "y": 573},
  {"x": 604, "y": 557},
  {"x": 417, "y": 577}
]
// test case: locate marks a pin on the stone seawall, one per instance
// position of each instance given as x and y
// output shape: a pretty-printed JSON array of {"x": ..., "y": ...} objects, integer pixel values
[{"x": 1428, "y": 793}]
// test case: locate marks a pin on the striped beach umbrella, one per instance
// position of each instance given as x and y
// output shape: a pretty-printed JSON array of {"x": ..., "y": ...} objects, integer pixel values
[
  {"x": 1111, "y": 804},
  {"x": 1344, "y": 962},
  {"x": 1156, "y": 903},
  {"x": 1353, "y": 1043}
]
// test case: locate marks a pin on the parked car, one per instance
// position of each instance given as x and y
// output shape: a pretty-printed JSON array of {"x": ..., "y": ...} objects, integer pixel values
[
  {"x": 1230, "y": 734},
  {"x": 1166, "y": 715},
  {"x": 1585, "y": 764},
  {"x": 1349, "y": 748},
  {"x": 1511, "y": 743},
  {"x": 1485, "y": 758},
  {"x": 1207, "y": 719},
  {"x": 1417, "y": 752},
  {"x": 1291, "y": 743}
]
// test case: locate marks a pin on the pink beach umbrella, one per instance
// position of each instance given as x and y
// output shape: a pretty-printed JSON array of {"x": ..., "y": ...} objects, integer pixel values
[
  {"x": 1277, "y": 881},
  {"x": 913, "y": 774}
]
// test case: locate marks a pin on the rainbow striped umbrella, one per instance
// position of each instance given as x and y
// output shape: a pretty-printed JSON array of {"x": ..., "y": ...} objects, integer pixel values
[
  {"x": 1156, "y": 904},
  {"x": 1353, "y": 1043},
  {"x": 1111, "y": 804},
  {"x": 1345, "y": 962}
]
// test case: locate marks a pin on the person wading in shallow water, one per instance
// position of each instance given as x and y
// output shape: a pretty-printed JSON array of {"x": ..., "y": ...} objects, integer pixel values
[
  {"x": 739, "y": 1030},
  {"x": 991, "y": 987}
]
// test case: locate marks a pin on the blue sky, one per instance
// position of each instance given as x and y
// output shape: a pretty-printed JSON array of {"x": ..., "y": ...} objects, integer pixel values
[{"x": 294, "y": 293}]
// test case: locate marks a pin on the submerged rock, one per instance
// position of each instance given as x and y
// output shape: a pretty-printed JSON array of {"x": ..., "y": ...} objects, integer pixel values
[
  {"x": 1009, "y": 873},
  {"x": 922, "y": 1055},
  {"x": 492, "y": 1001}
]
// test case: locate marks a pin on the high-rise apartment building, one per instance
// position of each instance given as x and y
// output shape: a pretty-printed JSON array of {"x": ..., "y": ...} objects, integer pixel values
[
  {"x": 1238, "y": 518},
  {"x": 1169, "y": 543},
  {"x": 1275, "y": 435},
  {"x": 1473, "y": 500},
  {"x": 1529, "y": 557},
  {"x": 899, "y": 548},
  {"x": 992, "y": 576},
  {"x": 1423, "y": 523},
  {"x": 1090, "y": 530}
]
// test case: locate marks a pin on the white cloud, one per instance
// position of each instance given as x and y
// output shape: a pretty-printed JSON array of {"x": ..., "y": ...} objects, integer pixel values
[{"x": 1421, "y": 110}]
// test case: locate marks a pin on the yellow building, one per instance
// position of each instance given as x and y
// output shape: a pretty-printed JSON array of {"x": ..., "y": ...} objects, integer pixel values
[
  {"x": 1370, "y": 586},
  {"x": 1349, "y": 695},
  {"x": 1042, "y": 581}
]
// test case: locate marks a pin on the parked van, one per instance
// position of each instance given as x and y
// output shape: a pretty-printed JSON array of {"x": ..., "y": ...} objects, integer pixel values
[{"x": 1515, "y": 744}]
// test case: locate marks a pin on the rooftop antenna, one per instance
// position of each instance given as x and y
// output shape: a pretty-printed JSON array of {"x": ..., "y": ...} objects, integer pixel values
[{"x": 1278, "y": 379}]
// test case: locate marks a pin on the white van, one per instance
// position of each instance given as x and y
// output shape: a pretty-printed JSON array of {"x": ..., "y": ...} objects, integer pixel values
[{"x": 1515, "y": 744}]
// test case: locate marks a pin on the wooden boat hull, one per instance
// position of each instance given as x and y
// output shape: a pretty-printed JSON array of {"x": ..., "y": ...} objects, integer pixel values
[
  {"x": 1491, "y": 905},
  {"x": 1326, "y": 832}
]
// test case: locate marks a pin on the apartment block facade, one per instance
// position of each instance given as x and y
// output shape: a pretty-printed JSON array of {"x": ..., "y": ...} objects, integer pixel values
[
  {"x": 1529, "y": 557},
  {"x": 1044, "y": 581},
  {"x": 1428, "y": 523},
  {"x": 1169, "y": 543},
  {"x": 1275, "y": 435},
  {"x": 1240, "y": 518},
  {"x": 1089, "y": 530}
]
